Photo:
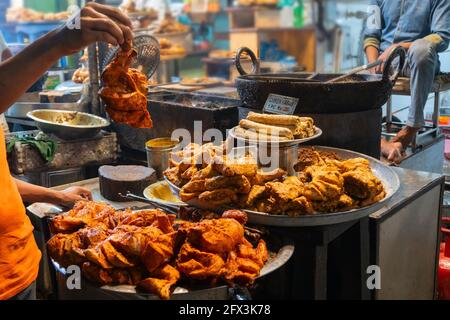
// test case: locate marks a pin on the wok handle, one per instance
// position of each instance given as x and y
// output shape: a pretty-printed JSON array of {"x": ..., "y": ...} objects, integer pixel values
[
  {"x": 237, "y": 61},
  {"x": 398, "y": 52}
]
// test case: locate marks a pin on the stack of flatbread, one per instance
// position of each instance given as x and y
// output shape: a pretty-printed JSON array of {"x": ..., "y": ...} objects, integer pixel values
[{"x": 275, "y": 127}]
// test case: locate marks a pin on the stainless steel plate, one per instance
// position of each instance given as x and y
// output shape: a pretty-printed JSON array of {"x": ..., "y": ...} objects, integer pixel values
[
  {"x": 386, "y": 174},
  {"x": 280, "y": 253},
  {"x": 282, "y": 144}
]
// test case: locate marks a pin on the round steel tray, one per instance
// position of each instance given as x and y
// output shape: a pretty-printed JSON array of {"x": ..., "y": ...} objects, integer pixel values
[
  {"x": 280, "y": 253},
  {"x": 281, "y": 144},
  {"x": 386, "y": 174}
]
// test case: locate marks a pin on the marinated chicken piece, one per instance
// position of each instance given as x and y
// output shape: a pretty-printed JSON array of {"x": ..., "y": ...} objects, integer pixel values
[
  {"x": 66, "y": 224},
  {"x": 362, "y": 184},
  {"x": 161, "y": 281},
  {"x": 96, "y": 256},
  {"x": 189, "y": 173},
  {"x": 199, "y": 265},
  {"x": 290, "y": 189},
  {"x": 239, "y": 182},
  {"x": 205, "y": 173},
  {"x": 65, "y": 249},
  {"x": 194, "y": 186},
  {"x": 238, "y": 215},
  {"x": 186, "y": 196},
  {"x": 114, "y": 257},
  {"x": 310, "y": 157},
  {"x": 133, "y": 242},
  {"x": 125, "y": 91},
  {"x": 158, "y": 252},
  {"x": 174, "y": 176},
  {"x": 84, "y": 213},
  {"x": 262, "y": 177},
  {"x": 255, "y": 193},
  {"x": 218, "y": 197},
  {"x": 326, "y": 184},
  {"x": 217, "y": 236},
  {"x": 92, "y": 236},
  {"x": 376, "y": 198},
  {"x": 343, "y": 203},
  {"x": 96, "y": 274},
  {"x": 299, "y": 207},
  {"x": 115, "y": 276},
  {"x": 154, "y": 217},
  {"x": 355, "y": 164},
  {"x": 244, "y": 264}
]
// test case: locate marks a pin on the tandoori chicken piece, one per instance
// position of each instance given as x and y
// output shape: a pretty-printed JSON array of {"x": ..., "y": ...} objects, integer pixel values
[
  {"x": 256, "y": 192},
  {"x": 239, "y": 182},
  {"x": 125, "y": 91},
  {"x": 217, "y": 235},
  {"x": 326, "y": 184},
  {"x": 244, "y": 264},
  {"x": 218, "y": 197},
  {"x": 200, "y": 265},
  {"x": 158, "y": 252},
  {"x": 161, "y": 281},
  {"x": 115, "y": 276}
]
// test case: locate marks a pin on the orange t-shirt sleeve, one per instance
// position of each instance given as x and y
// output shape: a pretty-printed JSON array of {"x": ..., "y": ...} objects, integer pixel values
[{"x": 19, "y": 254}]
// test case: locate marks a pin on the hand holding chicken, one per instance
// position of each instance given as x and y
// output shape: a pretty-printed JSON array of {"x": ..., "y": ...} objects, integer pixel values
[{"x": 125, "y": 91}]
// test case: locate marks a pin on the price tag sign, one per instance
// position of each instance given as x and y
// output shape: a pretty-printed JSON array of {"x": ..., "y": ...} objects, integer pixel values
[{"x": 279, "y": 104}]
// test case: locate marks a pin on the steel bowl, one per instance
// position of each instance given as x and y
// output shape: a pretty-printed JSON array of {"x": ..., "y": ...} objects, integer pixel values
[{"x": 68, "y": 125}]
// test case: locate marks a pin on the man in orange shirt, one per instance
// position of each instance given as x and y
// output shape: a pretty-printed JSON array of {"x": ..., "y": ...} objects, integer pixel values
[{"x": 19, "y": 255}]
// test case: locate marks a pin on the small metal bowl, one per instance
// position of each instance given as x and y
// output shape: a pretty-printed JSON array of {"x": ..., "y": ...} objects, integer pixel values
[
  {"x": 68, "y": 125},
  {"x": 158, "y": 155}
]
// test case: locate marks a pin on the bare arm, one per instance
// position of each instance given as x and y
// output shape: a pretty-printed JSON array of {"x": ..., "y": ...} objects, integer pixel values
[
  {"x": 31, "y": 193},
  {"x": 372, "y": 54},
  {"x": 98, "y": 23}
]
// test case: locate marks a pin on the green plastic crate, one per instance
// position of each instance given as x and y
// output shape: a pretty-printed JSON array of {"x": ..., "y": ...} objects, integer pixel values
[{"x": 47, "y": 5}]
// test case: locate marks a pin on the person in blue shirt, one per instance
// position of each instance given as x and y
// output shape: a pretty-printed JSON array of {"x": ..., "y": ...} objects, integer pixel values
[{"x": 422, "y": 27}]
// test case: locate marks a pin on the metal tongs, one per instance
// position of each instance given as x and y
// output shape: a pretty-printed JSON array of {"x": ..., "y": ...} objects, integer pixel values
[{"x": 170, "y": 208}]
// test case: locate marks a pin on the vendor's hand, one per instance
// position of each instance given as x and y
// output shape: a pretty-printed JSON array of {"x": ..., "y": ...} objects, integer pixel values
[
  {"x": 69, "y": 196},
  {"x": 383, "y": 57},
  {"x": 97, "y": 23}
]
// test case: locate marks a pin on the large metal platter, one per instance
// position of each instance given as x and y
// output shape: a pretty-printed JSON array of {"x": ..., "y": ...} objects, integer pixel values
[
  {"x": 386, "y": 174},
  {"x": 280, "y": 253},
  {"x": 282, "y": 144}
]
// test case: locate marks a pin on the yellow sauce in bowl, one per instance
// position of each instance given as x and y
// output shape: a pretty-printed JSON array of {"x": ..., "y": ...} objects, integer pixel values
[{"x": 161, "y": 143}]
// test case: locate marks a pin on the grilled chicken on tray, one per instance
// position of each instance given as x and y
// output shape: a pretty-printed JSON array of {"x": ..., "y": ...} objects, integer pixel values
[
  {"x": 151, "y": 250},
  {"x": 125, "y": 91}
]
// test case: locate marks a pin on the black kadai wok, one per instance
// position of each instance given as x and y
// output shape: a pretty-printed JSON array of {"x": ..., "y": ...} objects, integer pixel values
[{"x": 355, "y": 93}]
